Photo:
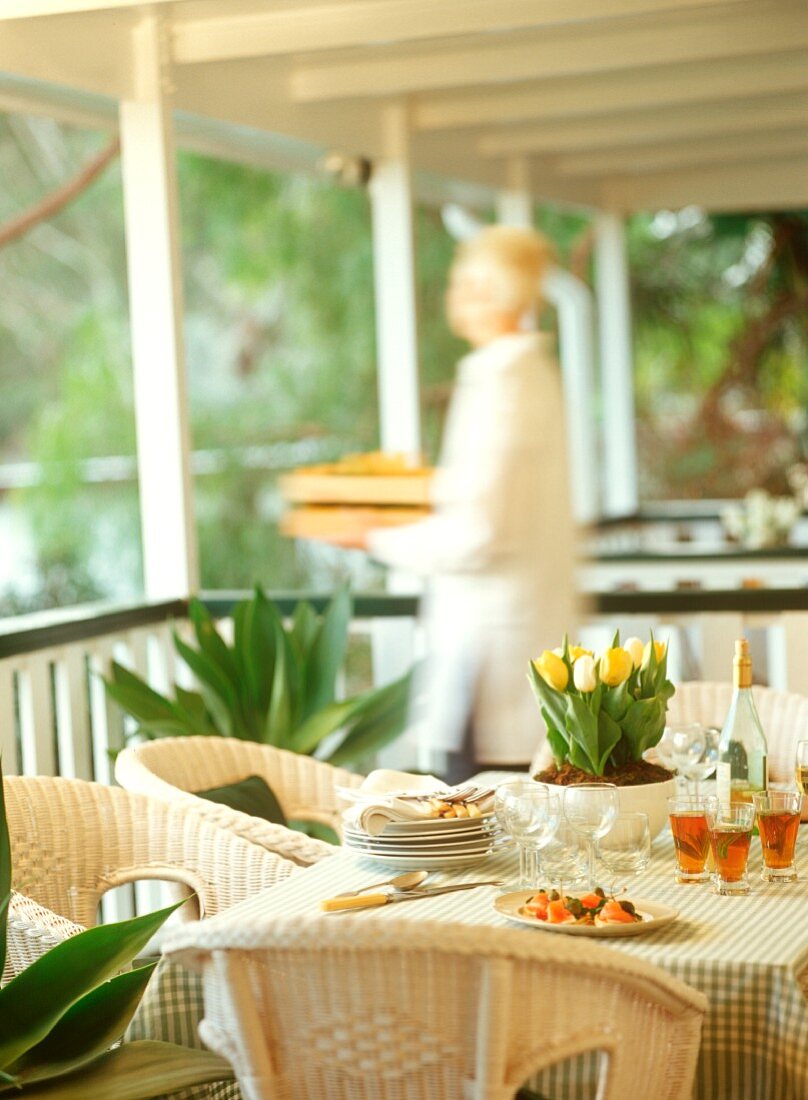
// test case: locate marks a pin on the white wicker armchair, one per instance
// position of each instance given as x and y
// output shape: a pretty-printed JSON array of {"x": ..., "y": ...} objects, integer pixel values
[
  {"x": 71, "y": 841},
  {"x": 382, "y": 1011},
  {"x": 172, "y": 768},
  {"x": 784, "y": 716}
]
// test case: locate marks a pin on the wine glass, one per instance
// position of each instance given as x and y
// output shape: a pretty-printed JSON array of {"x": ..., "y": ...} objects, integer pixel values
[
  {"x": 505, "y": 802},
  {"x": 801, "y": 766},
  {"x": 591, "y": 809},
  {"x": 533, "y": 815},
  {"x": 695, "y": 752},
  {"x": 564, "y": 860},
  {"x": 625, "y": 851}
]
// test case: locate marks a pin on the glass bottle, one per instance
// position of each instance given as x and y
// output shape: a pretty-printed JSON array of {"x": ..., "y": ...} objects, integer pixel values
[{"x": 742, "y": 749}]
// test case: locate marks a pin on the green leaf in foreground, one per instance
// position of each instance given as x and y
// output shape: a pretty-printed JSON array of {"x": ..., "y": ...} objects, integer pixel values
[
  {"x": 33, "y": 1002},
  {"x": 135, "y": 1071}
]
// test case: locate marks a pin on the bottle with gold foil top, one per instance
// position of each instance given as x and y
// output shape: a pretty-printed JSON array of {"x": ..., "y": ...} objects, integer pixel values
[{"x": 742, "y": 749}]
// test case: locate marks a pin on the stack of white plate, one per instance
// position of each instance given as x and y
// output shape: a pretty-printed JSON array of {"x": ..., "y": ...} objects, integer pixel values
[{"x": 435, "y": 842}]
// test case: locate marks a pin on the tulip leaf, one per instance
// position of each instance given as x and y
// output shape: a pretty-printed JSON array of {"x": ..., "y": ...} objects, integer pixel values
[
  {"x": 140, "y": 1070},
  {"x": 553, "y": 701},
  {"x": 609, "y": 734},
  {"x": 616, "y": 701},
  {"x": 37, "y": 998},
  {"x": 87, "y": 1029},
  {"x": 582, "y": 728},
  {"x": 559, "y": 746},
  {"x": 642, "y": 723}
]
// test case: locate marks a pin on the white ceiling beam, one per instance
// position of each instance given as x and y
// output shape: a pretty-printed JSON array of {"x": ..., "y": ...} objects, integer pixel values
[
  {"x": 590, "y": 48},
  {"x": 622, "y": 91},
  {"x": 714, "y": 150},
  {"x": 372, "y": 22},
  {"x": 648, "y": 127},
  {"x": 25, "y": 9},
  {"x": 772, "y": 185}
]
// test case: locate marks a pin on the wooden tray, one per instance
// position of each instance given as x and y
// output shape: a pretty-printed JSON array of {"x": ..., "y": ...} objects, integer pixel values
[{"x": 408, "y": 490}]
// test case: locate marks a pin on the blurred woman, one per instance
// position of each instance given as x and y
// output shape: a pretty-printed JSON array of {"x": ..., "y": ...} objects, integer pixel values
[{"x": 499, "y": 550}]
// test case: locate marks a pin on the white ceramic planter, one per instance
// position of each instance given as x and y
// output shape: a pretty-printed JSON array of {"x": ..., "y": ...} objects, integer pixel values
[{"x": 647, "y": 798}]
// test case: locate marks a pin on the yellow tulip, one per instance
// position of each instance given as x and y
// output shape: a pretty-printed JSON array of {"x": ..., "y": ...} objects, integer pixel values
[
  {"x": 577, "y": 651},
  {"x": 615, "y": 666},
  {"x": 659, "y": 648},
  {"x": 552, "y": 670}
]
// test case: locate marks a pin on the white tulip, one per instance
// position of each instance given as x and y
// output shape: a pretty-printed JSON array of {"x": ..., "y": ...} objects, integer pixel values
[
  {"x": 635, "y": 647},
  {"x": 583, "y": 674}
]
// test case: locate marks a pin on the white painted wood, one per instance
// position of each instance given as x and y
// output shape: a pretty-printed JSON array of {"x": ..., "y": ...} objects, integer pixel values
[
  {"x": 657, "y": 129},
  {"x": 575, "y": 306},
  {"x": 394, "y": 283},
  {"x": 155, "y": 298},
  {"x": 514, "y": 205},
  {"x": 73, "y": 732},
  {"x": 735, "y": 150},
  {"x": 665, "y": 40},
  {"x": 770, "y": 185},
  {"x": 620, "y": 493},
  {"x": 162, "y": 658},
  {"x": 719, "y": 632},
  {"x": 8, "y": 718},
  {"x": 106, "y": 717},
  {"x": 36, "y": 715},
  {"x": 314, "y": 27},
  {"x": 627, "y": 91}
]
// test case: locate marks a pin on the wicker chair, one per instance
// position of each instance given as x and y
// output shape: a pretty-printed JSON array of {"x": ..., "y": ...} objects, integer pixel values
[
  {"x": 172, "y": 768},
  {"x": 386, "y": 1010},
  {"x": 71, "y": 841},
  {"x": 784, "y": 717}
]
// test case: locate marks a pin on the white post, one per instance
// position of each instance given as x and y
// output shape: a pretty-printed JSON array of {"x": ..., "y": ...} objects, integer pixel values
[
  {"x": 394, "y": 280},
  {"x": 514, "y": 204},
  {"x": 573, "y": 302},
  {"x": 156, "y": 310},
  {"x": 391, "y": 198},
  {"x": 616, "y": 364}
]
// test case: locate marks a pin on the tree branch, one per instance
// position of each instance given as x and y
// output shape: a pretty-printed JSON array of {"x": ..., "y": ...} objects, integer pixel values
[{"x": 54, "y": 202}]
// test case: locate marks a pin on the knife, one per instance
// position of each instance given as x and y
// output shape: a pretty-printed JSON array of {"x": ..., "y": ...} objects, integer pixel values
[{"x": 369, "y": 901}]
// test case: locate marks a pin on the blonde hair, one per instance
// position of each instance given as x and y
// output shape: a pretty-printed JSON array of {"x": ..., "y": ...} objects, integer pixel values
[{"x": 515, "y": 261}]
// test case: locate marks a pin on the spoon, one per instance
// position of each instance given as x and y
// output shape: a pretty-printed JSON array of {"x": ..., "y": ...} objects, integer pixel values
[{"x": 408, "y": 881}]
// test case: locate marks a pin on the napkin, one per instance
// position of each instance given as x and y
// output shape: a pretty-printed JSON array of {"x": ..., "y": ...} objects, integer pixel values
[{"x": 389, "y": 803}]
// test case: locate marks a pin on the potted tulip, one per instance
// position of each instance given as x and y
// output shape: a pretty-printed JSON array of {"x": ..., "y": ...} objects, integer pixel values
[{"x": 602, "y": 715}]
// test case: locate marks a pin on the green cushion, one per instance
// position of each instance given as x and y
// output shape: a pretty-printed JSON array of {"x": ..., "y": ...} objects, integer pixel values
[{"x": 252, "y": 795}]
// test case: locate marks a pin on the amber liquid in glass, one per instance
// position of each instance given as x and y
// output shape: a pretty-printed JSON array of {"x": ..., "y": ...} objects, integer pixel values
[
  {"x": 730, "y": 851},
  {"x": 692, "y": 841},
  {"x": 801, "y": 776},
  {"x": 778, "y": 836}
]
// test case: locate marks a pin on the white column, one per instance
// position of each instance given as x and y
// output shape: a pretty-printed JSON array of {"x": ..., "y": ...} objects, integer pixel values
[
  {"x": 391, "y": 196},
  {"x": 573, "y": 302},
  {"x": 156, "y": 311},
  {"x": 620, "y": 493},
  {"x": 394, "y": 280},
  {"x": 514, "y": 203}
]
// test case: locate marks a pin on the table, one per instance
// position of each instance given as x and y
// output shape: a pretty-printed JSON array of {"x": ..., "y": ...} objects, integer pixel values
[{"x": 749, "y": 955}]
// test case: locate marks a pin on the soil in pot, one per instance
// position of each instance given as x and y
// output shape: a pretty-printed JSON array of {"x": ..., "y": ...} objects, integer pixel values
[{"x": 633, "y": 774}]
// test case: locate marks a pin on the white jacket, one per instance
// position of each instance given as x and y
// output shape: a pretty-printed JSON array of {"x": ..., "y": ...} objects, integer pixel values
[{"x": 498, "y": 551}]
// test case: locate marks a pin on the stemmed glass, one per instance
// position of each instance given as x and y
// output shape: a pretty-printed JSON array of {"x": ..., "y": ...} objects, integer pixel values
[
  {"x": 625, "y": 850},
  {"x": 564, "y": 860},
  {"x": 591, "y": 809},
  {"x": 533, "y": 814},
  {"x": 695, "y": 752},
  {"x": 529, "y": 814}
]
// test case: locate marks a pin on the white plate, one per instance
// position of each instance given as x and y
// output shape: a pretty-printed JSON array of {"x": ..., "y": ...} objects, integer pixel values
[
  {"x": 420, "y": 862},
  {"x": 420, "y": 853},
  {"x": 655, "y": 916},
  {"x": 483, "y": 836},
  {"x": 434, "y": 824}
]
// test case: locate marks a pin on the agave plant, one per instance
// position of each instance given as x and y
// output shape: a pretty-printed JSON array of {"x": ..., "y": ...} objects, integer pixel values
[
  {"x": 274, "y": 684},
  {"x": 60, "y": 1017}
]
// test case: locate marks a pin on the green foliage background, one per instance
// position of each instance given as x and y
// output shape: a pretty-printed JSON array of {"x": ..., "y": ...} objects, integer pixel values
[{"x": 280, "y": 340}]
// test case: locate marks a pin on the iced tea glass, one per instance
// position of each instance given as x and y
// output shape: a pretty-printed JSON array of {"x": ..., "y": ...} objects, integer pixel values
[
  {"x": 778, "y": 819},
  {"x": 691, "y": 837},
  {"x": 730, "y": 831}
]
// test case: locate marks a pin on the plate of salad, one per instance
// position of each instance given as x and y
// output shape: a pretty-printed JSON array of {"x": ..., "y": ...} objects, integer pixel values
[{"x": 592, "y": 913}]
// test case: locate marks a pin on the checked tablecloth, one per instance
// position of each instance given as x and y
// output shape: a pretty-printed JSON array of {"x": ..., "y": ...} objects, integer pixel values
[{"x": 749, "y": 955}]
